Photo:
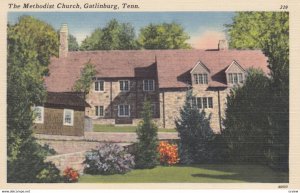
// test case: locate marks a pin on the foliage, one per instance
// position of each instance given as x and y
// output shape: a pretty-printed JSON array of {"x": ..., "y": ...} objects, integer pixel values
[
  {"x": 70, "y": 175},
  {"x": 30, "y": 43},
  {"x": 269, "y": 31},
  {"x": 49, "y": 174},
  {"x": 168, "y": 153},
  {"x": 114, "y": 36},
  {"x": 107, "y": 159},
  {"x": 194, "y": 132},
  {"x": 72, "y": 43},
  {"x": 163, "y": 36},
  {"x": 83, "y": 84},
  {"x": 146, "y": 155},
  {"x": 246, "y": 123}
]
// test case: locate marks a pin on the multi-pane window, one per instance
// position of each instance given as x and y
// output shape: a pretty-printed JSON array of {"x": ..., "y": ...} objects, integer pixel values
[
  {"x": 124, "y": 85},
  {"x": 235, "y": 78},
  {"x": 68, "y": 117},
  {"x": 202, "y": 102},
  {"x": 99, "y": 111},
  {"x": 39, "y": 114},
  {"x": 99, "y": 85},
  {"x": 201, "y": 78},
  {"x": 148, "y": 85},
  {"x": 124, "y": 110}
]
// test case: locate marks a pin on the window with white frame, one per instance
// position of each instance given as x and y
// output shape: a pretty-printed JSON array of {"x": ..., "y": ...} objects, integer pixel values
[
  {"x": 124, "y": 85},
  {"x": 148, "y": 85},
  {"x": 201, "y": 78},
  {"x": 99, "y": 85},
  {"x": 124, "y": 110},
  {"x": 68, "y": 117},
  {"x": 235, "y": 78},
  {"x": 38, "y": 112},
  {"x": 99, "y": 111},
  {"x": 202, "y": 102}
]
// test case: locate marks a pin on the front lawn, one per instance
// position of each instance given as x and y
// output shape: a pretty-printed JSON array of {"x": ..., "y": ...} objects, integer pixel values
[
  {"x": 129, "y": 128},
  {"x": 212, "y": 173}
]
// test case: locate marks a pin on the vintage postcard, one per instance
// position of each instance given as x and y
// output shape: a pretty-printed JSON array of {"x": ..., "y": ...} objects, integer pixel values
[{"x": 148, "y": 94}]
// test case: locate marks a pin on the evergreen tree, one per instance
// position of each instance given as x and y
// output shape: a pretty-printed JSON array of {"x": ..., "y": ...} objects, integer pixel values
[
  {"x": 195, "y": 133},
  {"x": 146, "y": 147}
]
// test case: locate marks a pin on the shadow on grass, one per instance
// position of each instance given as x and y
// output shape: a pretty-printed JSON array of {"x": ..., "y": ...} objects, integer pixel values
[{"x": 245, "y": 173}]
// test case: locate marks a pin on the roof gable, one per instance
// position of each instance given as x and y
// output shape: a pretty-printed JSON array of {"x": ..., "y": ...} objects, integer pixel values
[
  {"x": 234, "y": 65},
  {"x": 199, "y": 65}
]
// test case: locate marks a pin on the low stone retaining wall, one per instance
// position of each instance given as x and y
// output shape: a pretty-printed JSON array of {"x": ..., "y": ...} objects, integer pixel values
[{"x": 74, "y": 160}]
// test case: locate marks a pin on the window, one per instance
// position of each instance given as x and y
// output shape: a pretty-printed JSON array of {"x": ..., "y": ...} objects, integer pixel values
[
  {"x": 202, "y": 102},
  {"x": 99, "y": 111},
  {"x": 124, "y": 110},
  {"x": 39, "y": 114},
  {"x": 99, "y": 85},
  {"x": 68, "y": 117},
  {"x": 148, "y": 85},
  {"x": 201, "y": 78},
  {"x": 124, "y": 85},
  {"x": 235, "y": 78}
]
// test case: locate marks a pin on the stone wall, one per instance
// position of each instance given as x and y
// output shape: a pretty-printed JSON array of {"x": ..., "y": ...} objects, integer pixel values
[
  {"x": 172, "y": 101},
  {"x": 111, "y": 97}
]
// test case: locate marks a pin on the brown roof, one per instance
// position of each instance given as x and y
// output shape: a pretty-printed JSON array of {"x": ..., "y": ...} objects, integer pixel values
[
  {"x": 171, "y": 66},
  {"x": 67, "y": 99}
]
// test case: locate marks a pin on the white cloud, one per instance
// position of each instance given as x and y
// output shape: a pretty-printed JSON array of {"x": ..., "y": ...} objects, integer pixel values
[{"x": 207, "y": 40}]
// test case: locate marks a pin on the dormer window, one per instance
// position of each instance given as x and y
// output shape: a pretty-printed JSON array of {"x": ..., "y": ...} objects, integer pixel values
[
  {"x": 201, "y": 78},
  {"x": 235, "y": 78}
]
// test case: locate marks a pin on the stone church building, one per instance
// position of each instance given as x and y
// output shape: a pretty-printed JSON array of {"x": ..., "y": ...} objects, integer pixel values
[{"x": 126, "y": 78}]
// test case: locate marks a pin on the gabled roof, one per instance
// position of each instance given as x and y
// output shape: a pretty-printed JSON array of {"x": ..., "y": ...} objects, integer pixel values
[
  {"x": 237, "y": 64},
  {"x": 171, "y": 67},
  {"x": 201, "y": 64}
]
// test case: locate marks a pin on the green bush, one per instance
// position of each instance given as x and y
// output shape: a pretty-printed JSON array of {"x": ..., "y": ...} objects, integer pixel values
[
  {"x": 146, "y": 155},
  {"x": 195, "y": 134}
]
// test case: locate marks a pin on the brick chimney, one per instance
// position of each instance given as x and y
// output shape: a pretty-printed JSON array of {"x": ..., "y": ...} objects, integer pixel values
[
  {"x": 63, "y": 40},
  {"x": 223, "y": 45}
]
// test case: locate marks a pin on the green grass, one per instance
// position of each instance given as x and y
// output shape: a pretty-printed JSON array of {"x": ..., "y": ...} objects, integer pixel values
[
  {"x": 129, "y": 128},
  {"x": 213, "y": 173}
]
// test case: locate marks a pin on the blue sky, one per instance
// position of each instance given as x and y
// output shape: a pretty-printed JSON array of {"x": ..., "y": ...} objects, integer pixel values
[{"x": 204, "y": 28}]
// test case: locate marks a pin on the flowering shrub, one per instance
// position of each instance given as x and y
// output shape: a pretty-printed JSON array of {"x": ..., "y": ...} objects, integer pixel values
[
  {"x": 168, "y": 153},
  {"x": 108, "y": 158},
  {"x": 70, "y": 175}
]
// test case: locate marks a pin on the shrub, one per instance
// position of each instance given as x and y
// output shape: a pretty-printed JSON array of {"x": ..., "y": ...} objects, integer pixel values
[
  {"x": 195, "y": 134},
  {"x": 70, "y": 175},
  {"x": 168, "y": 153},
  {"x": 49, "y": 174},
  {"x": 108, "y": 159},
  {"x": 146, "y": 155}
]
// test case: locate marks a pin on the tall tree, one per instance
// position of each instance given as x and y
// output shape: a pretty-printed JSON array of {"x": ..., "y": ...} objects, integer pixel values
[
  {"x": 30, "y": 44},
  {"x": 114, "y": 36},
  {"x": 163, "y": 36},
  {"x": 246, "y": 120},
  {"x": 146, "y": 148},
  {"x": 83, "y": 84},
  {"x": 269, "y": 31}
]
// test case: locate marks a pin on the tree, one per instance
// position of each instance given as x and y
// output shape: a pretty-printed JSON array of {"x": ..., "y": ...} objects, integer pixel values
[
  {"x": 30, "y": 44},
  {"x": 146, "y": 148},
  {"x": 246, "y": 122},
  {"x": 114, "y": 36},
  {"x": 269, "y": 31},
  {"x": 163, "y": 36},
  {"x": 194, "y": 132},
  {"x": 83, "y": 84},
  {"x": 72, "y": 43}
]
